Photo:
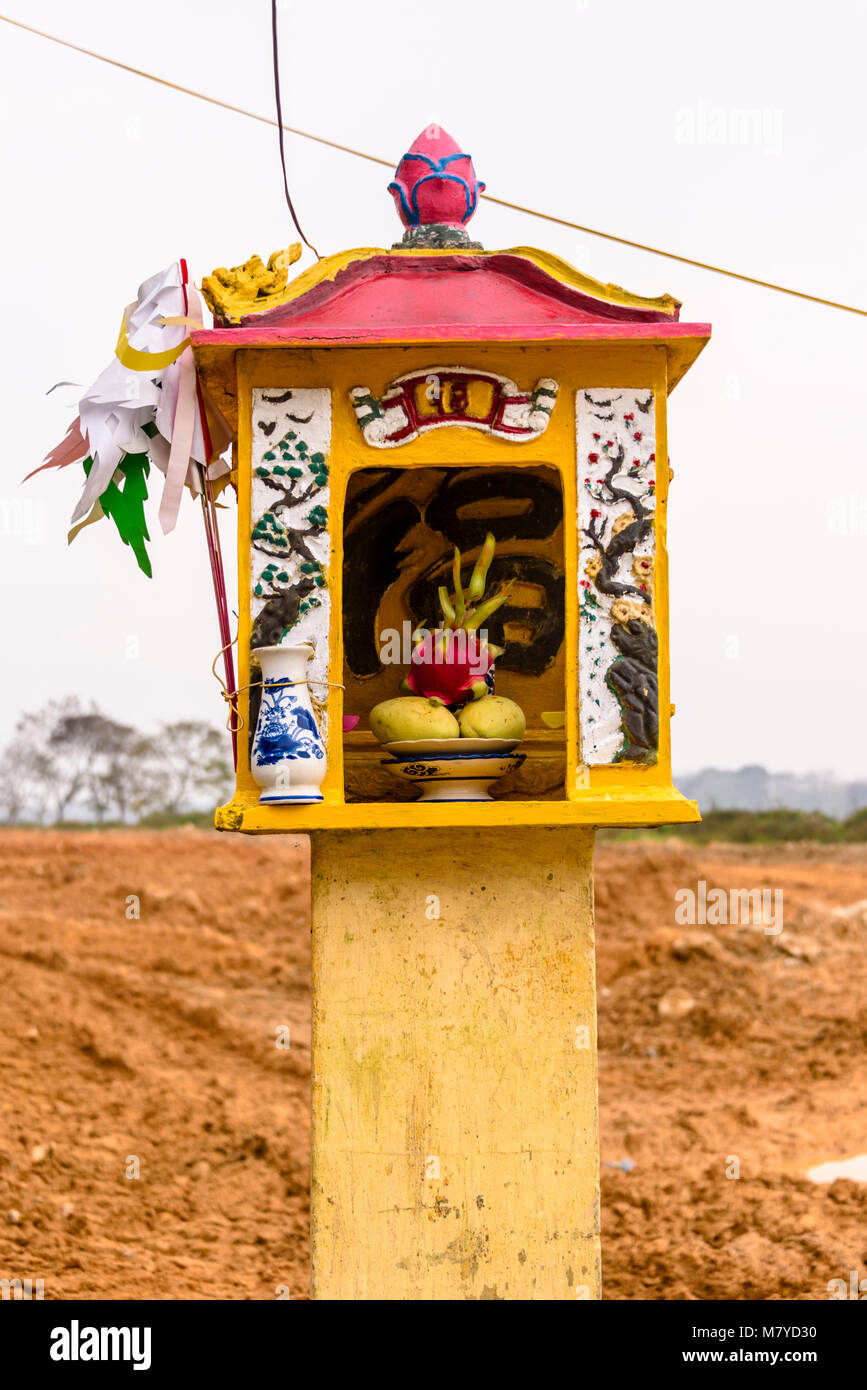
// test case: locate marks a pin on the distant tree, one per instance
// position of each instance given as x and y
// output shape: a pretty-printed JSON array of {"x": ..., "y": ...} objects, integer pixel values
[
  {"x": 68, "y": 754},
  {"x": 123, "y": 778},
  {"x": 193, "y": 757},
  {"x": 61, "y": 771},
  {"x": 83, "y": 747},
  {"x": 23, "y": 781}
]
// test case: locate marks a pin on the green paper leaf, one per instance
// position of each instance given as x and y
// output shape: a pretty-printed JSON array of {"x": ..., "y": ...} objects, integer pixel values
[{"x": 125, "y": 505}]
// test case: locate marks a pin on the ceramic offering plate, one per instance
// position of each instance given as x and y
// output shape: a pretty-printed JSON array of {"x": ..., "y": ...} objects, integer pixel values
[
  {"x": 453, "y": 769},
  {"x": 451, "y": 745}
]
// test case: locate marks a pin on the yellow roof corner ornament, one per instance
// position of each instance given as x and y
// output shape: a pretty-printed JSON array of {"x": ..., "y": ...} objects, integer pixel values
[{"x": 249, "y": 288}]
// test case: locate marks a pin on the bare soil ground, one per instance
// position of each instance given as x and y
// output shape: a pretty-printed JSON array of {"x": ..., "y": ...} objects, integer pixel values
[{"x": 152, "y": 1040}]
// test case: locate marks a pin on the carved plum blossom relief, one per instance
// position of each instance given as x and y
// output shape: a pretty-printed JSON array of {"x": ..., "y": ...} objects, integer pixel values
[
  {"x": 290, "y": 547},
  {"x": 618, "y": 650}
]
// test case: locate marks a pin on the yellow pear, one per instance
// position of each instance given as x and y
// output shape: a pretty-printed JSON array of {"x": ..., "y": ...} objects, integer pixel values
[
  {"x": 492, "y": 717},
  {"x": 411, "y": 717}
]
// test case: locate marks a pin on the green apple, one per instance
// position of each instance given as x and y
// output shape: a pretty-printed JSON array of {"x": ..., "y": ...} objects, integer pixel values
[
  {"x": 492, "y": 717},
  {"x": 411, "y": 717}
]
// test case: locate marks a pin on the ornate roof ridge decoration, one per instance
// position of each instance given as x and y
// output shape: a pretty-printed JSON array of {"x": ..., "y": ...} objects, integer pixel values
[
  {"x": 574, "y": 278},
  {"x": 435, "y": 183},
  {"x": 253, "y": 289}
]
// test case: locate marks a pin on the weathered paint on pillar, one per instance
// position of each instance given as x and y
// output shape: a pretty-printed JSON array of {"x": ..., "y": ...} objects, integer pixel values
[{"x": 455, "y": 1139}]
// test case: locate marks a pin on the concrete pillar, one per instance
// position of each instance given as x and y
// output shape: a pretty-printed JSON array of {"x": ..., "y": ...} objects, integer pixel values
[{"x": 455, "y": 1135}]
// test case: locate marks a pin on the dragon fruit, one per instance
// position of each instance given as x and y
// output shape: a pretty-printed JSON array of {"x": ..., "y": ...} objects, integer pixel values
[{"x": 450, "y": 664}]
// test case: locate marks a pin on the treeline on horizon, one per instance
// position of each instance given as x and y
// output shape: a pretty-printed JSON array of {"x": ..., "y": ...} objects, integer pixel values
[
  {"x": 779, "y": 826},
  {"x": 736, "y": 827},
  {"x": 70, "y": 764}
]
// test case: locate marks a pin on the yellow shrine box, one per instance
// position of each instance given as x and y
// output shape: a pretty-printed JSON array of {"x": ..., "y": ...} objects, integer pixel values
[{"x": 391, "y": 405}]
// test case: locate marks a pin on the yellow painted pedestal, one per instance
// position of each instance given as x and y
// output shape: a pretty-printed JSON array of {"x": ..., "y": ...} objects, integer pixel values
[{"x": 455, "y": 1140}]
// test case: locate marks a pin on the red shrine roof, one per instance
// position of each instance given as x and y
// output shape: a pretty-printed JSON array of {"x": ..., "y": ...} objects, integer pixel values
[{"x": 374, "y": 296}]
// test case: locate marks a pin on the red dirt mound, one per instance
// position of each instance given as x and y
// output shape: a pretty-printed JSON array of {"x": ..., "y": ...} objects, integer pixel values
[{"x": 149, "y": 980}]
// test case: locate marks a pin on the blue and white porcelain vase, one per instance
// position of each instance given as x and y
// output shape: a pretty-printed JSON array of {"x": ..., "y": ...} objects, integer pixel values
[{"x": 288, "y": 756}]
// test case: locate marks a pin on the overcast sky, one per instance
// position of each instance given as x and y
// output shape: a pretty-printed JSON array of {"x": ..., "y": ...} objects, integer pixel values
[{"x": 621, "y": 116}]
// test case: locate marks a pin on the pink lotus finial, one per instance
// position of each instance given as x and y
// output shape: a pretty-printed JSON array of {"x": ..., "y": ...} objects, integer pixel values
[{"x": 435, "y": 182}]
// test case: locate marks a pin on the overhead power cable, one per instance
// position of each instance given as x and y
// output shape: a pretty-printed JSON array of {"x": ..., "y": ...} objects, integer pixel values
[
  {"x": 390, "y": 164},
  {"x": 275, "y": 49}
]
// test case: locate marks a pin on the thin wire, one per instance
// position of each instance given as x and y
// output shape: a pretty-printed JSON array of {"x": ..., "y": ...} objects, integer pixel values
[
  {"x": 684, "y": 260},
  {"x": 389, "y": 164},
  {"x": 275, "y": 48}
]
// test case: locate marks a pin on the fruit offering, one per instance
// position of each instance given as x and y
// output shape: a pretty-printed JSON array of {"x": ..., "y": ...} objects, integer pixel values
[{"x": 448, "y": 670}]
